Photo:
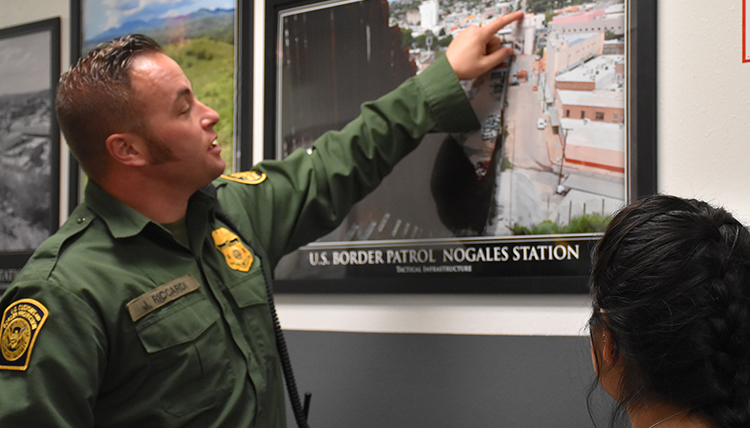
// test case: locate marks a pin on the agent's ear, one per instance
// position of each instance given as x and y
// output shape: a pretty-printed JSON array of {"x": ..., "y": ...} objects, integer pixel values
[{"x": 127, "y": 149}]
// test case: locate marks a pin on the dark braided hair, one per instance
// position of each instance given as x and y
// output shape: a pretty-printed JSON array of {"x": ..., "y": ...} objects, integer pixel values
[{"x": 671, "y": 283}]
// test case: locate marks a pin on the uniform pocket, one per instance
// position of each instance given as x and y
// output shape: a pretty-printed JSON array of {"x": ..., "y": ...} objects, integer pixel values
[
  {"x": 186, "y": 351},
  {"x": 249, "y": 293},
  {"x": 249, "y": 290}
]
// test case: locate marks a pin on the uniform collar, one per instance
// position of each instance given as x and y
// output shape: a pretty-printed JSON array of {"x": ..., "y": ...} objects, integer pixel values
[{"x": 122, "y": 220}]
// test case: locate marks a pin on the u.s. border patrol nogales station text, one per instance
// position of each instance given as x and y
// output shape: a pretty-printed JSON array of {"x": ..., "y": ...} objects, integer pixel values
[{"x": 471, "y": 254}]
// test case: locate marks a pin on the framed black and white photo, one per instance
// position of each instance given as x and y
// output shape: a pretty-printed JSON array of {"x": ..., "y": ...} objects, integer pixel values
[
  {"x": 29, "y": 142},
  {"x": 212, "y": 40},
  {"x": 568, "y": 137}
]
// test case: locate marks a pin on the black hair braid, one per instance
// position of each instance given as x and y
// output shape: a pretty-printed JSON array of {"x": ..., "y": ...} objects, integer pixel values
[
  {"x": 728, "y": 365},
  {"x": 672, "y": 277}
]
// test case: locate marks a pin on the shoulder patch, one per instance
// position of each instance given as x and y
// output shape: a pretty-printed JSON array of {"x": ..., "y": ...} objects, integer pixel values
[
  {"x": 20, "y": 326},
  {"x": 247, "y": 177}
]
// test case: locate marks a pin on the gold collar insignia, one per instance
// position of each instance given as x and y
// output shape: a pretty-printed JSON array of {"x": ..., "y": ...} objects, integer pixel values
[{"x": 247, "y": 177}]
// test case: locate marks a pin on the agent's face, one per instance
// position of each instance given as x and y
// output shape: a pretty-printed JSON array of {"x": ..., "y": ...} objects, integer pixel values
[{"x": 179, "y": 128}]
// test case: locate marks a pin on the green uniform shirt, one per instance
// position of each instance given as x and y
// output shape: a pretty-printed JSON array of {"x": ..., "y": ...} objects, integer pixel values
[{"x": 113, "y": 323}]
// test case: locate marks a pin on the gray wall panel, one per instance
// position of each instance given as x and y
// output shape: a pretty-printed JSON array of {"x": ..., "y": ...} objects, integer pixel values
[{"x": 368, "y": 380}]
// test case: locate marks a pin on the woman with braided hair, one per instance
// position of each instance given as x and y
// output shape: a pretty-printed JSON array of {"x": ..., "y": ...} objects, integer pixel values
[{"x": 670, "y": 328}]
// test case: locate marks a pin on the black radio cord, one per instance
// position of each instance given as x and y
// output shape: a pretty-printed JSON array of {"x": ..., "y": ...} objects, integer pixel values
[{"x": 300, "y": 413}]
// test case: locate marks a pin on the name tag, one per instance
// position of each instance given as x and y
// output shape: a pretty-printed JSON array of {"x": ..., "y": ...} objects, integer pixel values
[{"x": 161, "y": 295}]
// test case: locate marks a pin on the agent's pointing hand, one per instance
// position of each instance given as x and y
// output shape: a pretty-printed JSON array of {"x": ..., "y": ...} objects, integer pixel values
[{"x": 476, "y": 50}]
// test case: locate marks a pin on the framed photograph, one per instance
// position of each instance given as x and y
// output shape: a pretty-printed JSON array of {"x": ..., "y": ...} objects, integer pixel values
[
  {"x": 568, "y": 137},
  {"x": 29, "y": 142},
  {"x": 202, "y": 36}
]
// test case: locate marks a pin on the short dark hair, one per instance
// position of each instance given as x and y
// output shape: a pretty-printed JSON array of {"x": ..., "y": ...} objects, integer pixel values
[
  {"x": 671, "y": 283},
  {"x": 94, "y": 98}
]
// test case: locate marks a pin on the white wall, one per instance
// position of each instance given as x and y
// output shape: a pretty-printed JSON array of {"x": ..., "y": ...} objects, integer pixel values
[
  {"x": 703, "y": 104},
  {"x": 704, "y": 97},
  {"x": 15, "y": 12}
]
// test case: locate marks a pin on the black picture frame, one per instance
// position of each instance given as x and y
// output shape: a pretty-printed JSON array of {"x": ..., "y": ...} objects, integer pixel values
[
  {"x": 641, "y": 116},
  {"x": 29, "y": 143},
  {"x": 243, "y": 94}
]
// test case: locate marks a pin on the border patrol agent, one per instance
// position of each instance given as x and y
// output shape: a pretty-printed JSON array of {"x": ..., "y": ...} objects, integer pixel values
[{"x": 130, "y": 316}]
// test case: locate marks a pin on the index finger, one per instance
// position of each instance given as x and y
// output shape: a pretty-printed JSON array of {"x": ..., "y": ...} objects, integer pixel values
[{"x": 498, "y": 23}]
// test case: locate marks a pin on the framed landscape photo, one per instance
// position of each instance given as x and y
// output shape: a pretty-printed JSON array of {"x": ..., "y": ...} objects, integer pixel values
[
  {"x": 202, "y": 36},
  {"x": 29, "y": 142},
  {"x": 568, "y": 137}
]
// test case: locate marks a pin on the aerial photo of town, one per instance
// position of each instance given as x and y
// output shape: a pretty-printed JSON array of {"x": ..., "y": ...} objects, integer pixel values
[{"x": 551, "y": 155}]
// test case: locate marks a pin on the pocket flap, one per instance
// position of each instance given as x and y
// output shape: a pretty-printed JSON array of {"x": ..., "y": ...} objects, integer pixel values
[
  {"x": 173, "y": 325},
  {"x": 249, "y": 291}
]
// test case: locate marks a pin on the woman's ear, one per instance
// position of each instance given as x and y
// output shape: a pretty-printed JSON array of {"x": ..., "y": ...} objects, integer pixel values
[
  {"x": 609, "y": 345},
  {"x": 603, "y": 350},
  {"x": 609, "y": 364},
  {"x": 609, "y": 348},
  {"x": 127, "y": 149}
]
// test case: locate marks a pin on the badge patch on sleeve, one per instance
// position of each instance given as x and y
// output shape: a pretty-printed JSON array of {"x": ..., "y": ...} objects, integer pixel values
[
  {"x": 21, "y": 323},
  {"x": 237, "y": 256},
  {"x": 247, "y": 177}
]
